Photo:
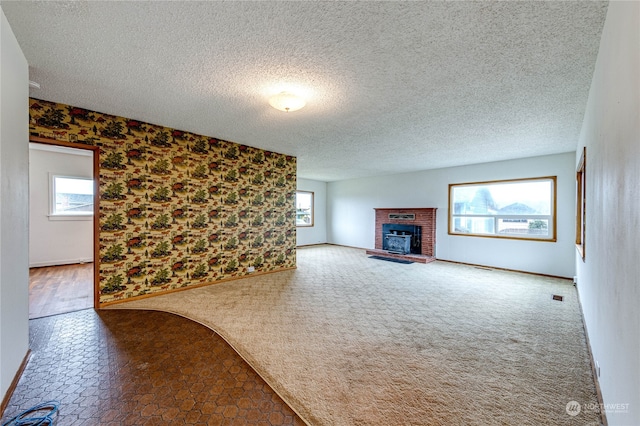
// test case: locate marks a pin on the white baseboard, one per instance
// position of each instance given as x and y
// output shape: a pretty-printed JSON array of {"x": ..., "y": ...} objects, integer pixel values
[{"x": 59, "y": 262}]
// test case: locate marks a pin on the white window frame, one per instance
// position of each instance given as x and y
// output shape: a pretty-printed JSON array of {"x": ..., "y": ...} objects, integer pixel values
[
  {"x": 306, "y": 225},
  {"x": 550, "y": 218},
  {"x": 55, "y": 215}
]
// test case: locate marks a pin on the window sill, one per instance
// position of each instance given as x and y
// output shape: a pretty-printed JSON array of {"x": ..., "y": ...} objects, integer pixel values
[
  {"x": 506, "y": 237},
  {"x": 71, "y": 217}
]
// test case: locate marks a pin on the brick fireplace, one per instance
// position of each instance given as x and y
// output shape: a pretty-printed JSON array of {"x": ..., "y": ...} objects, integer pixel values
[{"x": 425, "y": 218}]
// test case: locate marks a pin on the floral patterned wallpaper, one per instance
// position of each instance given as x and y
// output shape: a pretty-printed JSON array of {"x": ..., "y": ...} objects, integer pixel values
[{"x": 178, "y": 209}]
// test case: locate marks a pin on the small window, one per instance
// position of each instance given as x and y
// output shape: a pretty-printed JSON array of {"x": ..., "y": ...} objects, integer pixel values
[
  {"x": 522, "y": 208},
  {"x": 71, "y": 196},
  {"x": 581, "y": 181},
  {"x": 304, "y": 208}
]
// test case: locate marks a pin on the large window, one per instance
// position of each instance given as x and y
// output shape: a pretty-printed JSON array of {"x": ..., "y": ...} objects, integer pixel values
[
  {"x": 71, "y": 196},
  {"x": 522, "y": 208},
  {"x": 304, "y": 208}
]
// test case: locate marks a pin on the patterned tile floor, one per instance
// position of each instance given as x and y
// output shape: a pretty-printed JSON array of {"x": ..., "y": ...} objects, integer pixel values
[{"x": 131, "y": 367}]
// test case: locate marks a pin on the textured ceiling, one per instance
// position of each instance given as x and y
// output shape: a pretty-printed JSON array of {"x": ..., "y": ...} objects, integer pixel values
[{"x": 390, "y": 86}]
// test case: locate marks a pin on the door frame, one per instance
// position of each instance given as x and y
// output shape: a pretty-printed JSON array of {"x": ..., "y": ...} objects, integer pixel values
[{"x": 96, "y": 206}]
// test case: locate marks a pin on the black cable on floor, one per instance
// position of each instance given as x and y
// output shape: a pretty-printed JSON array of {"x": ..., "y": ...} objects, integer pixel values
[{"x": 44, "y": 414}]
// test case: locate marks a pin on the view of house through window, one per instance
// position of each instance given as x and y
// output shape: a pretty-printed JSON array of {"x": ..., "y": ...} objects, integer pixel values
[
  {"x": 304, "y": 208},
  {"x": 523, "y": 208},
  {"x": 71, "y": 196}
]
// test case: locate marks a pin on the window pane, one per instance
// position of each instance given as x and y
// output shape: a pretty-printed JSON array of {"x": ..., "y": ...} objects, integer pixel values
[
  {"x": 474, "y": 225},
  {"x": 73, "y": 195},
  {"x": 304, "y": 208},
  {"x": 518, "y": 208},
  {"x": 513, "y": 198},
  {"x": 525, "y": 227}
]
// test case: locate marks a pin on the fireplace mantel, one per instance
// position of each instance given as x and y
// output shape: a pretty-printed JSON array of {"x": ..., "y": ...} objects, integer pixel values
[{"x": 423, "y": 217}]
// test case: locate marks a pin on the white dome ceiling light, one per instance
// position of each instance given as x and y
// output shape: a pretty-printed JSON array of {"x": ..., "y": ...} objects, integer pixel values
[{"x": 287, "y": 102}]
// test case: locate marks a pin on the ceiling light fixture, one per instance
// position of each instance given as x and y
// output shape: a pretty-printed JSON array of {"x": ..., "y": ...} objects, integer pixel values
[
  {"x": 34, "y": 85},
  {"x": 286, "y": 101}
]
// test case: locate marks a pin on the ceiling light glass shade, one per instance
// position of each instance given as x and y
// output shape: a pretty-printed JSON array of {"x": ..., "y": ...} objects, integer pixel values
[{"x": 285, "y": 101}]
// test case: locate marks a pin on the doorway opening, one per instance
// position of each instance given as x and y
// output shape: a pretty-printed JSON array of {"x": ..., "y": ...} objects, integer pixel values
[{"x": 63, "y": 251}]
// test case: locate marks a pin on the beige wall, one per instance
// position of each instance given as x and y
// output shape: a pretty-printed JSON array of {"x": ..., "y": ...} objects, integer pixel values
[
  {"x": 316, "y": 234},
  {"x": 14, "y": 205},
  {"x": 351, "y": 218},
  {"x": 609, "y": 278}
]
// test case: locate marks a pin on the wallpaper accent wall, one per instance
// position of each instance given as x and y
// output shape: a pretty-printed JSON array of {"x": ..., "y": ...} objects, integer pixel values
[{"x": 178, "y": 209}]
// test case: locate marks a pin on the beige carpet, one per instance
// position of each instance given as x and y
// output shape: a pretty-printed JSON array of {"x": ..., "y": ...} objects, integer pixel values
[{"x": 348, "y": 340}]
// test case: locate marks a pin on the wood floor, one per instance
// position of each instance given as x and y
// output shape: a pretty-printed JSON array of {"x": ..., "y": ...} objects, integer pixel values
[{"x": 59, "y": 289}]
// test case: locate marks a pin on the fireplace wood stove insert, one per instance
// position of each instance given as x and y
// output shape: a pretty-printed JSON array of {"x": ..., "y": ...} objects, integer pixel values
[{"x": 401, "y": 239}]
